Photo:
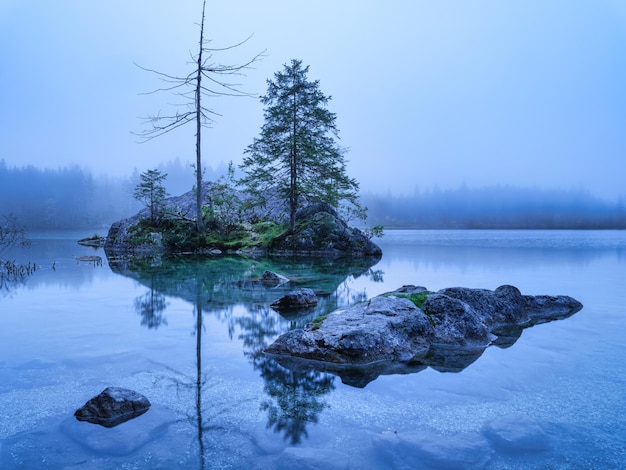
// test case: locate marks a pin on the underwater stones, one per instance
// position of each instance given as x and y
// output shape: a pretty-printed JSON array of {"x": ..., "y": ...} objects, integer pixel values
[
  {"x": 516, "y": 433},
  {"x": 113, "y": 406},
  {"x": 302, "y": 458},
  {"x": 301, "y": 298},
  {"x": 419, "y": 449}
]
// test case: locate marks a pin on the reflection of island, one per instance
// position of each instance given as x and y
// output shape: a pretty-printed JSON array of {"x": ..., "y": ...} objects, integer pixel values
[
  {"x": 216, "y": 285},
  {"x": 232, "y": 280}
]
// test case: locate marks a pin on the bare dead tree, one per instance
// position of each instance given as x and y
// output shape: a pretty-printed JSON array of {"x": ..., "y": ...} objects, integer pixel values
[{"x": 207, "y": 79}]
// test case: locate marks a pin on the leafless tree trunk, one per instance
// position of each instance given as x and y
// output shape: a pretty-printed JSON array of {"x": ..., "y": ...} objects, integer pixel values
[{"x": 192, "y": 89}]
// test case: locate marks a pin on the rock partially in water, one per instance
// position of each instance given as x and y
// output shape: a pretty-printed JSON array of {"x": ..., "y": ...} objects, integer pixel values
[
  {"x": 113, "y": 406},
  {"x": 383, "y": 329},
  {"x": 390, "y": 334},
  {"x": 272, "y": 279},
  {"x": 297, "y": 299}
]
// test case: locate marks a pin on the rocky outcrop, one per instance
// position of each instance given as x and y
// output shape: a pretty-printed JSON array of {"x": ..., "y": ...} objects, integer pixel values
[
  {"x": 319, "y": 232},
  {"x": 297, "y": 299},
  {"x": 122, "y": 237},
  {"x": 113, "y": 406},
  {"x": 391, "y": 334}
]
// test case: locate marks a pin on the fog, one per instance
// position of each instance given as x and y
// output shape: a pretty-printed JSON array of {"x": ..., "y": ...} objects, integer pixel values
[
  {"x": 71, "y": 198},
  {"x": 449, "y": 94}
]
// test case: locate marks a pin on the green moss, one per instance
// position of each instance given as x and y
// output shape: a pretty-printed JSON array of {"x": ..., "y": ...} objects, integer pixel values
[
  {"x": 418, "y": 298},
  {"x": 269, "y": 231},
  {"x": 234, "y": 239},
  {"x": 317, "y": 322}
]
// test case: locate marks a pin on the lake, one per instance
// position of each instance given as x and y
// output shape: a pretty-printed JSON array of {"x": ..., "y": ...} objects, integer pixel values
[{"x": 189, "y": 334}]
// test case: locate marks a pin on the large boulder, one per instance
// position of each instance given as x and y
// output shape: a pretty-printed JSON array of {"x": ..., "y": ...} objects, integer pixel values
[
  {"x": 320, "y": 230},
  {"x": 122, "y": 237},
  {"x": 390, "y": 334},
  {"x": 386, "y": 328},
  {"x": 113, "y": 406},
  {"x": 297, "y": 299}
]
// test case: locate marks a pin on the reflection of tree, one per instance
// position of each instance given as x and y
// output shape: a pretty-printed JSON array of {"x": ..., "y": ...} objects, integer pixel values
[
  {"x": 199, "y": 420},
  {"x": 215, "y": 286},
  {"x": 12, "y": 274},
  {"x": 151, "y": 307},
  {"x": 294, "y": 399}
]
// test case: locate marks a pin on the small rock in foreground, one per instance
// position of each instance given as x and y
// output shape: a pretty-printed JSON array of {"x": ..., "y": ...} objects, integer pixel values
[{"x": 113, "y": 406}]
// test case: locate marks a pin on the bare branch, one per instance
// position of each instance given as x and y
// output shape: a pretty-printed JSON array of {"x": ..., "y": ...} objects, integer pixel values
[{"x": 192, "y": 89}]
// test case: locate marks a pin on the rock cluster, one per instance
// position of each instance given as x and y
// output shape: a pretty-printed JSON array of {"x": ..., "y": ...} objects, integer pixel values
[{"x": 391, "y": 334}]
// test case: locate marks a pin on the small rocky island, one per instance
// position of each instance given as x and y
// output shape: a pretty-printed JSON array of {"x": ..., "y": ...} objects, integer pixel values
[
  {"x": 410, "y": 329},
  {"x": 319, "y": 231}
]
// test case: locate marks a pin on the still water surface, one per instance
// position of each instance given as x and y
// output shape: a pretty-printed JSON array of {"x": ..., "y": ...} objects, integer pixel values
[{"x": 189, "y": 334}]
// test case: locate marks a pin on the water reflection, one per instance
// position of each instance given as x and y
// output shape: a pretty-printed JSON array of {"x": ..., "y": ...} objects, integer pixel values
[
  {"x": 293, "y": 399},
  {"x": 151, "y": 306}
]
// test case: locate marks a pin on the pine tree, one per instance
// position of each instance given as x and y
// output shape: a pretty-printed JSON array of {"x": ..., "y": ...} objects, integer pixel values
[
  {"x": 296, "y": 155},
  {"x": 152, "y": 193}
]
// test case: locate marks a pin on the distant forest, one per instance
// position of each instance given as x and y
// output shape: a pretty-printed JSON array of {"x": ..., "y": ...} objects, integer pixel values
[
  {"x": 72, "y": 198},
  {"x": 497, "y": 207}
]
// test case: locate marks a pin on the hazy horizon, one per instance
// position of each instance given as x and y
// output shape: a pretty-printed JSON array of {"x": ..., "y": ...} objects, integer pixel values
[{"x": 426, "y": 94}]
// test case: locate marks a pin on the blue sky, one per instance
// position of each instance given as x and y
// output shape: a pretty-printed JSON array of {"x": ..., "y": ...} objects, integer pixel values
[{"x": 427, "y": 93}]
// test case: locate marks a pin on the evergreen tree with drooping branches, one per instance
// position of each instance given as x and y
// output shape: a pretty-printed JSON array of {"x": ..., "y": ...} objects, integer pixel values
[{"x": 296, "y": 155}]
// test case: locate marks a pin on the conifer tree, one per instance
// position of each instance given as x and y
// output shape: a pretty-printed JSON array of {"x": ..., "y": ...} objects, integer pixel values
[
  {"x": 152, "y": 193},
  {"x": 296, "y": 155}
]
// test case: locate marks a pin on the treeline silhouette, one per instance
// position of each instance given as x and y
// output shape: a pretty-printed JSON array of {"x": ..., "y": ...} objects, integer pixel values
[
  {"x": 496, "y": 207},
  {"x": 72, "y": 198}
]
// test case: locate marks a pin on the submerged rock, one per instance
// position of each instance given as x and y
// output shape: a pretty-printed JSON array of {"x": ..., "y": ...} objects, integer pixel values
[
  {"x": 297, "y": 299},
  {"x": 516, "y": 433},
  {"x": 113, "y": 406},
  {"x": 390, "y": 334},
  {"x": 272, "y": 279},
  {"x": 420, "y": 449}
]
